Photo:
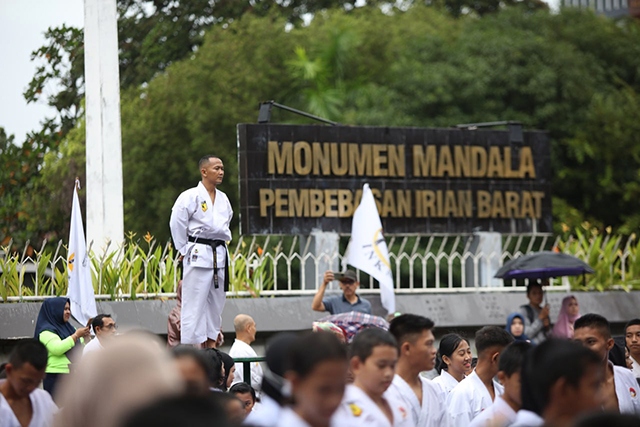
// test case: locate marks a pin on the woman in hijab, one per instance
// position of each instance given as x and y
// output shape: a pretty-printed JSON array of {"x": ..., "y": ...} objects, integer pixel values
[
  {"x": 229, "y": 370},
  {"x": 569, "y": 313},
  {"x": 59, "y": 336},
  {"x": 515, "y": 326}
]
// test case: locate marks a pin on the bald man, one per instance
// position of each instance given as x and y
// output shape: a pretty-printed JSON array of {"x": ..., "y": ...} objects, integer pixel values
[{"x": 245, "y": 334}]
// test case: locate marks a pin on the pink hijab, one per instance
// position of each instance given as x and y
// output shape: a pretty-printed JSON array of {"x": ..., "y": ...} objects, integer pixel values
[{"x": 564, "y": 326}]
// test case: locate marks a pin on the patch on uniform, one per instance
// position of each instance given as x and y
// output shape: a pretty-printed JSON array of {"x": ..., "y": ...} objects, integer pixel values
[
  {"x": 194, "y": 257},
  {"x": 632, "y": 392},
  {"x": 403, "y": 412},
  {"x": 195, "y": 250},
  {"x": 204, "y": 206},
  {"x": 355, "y": 409}
]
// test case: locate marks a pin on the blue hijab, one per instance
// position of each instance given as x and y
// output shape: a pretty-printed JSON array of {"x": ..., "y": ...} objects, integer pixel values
[
  {"x": 51, "y": 318},
  {"x": 512, "y": 316}
]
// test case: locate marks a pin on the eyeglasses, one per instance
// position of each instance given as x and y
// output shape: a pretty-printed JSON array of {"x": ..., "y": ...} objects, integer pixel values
[{"x": 111, "y": 326}]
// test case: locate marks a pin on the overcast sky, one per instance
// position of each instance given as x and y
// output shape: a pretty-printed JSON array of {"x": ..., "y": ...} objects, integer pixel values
[{"x": 22, "y": 27}]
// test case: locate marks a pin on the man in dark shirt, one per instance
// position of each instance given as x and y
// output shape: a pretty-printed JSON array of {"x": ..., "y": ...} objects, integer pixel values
[{"x": 348, "y": 301}]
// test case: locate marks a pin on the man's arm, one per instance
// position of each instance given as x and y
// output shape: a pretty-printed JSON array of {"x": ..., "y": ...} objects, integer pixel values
[
  {"x": 317, "y": 304},
  {"x": 179, "y": 223}
]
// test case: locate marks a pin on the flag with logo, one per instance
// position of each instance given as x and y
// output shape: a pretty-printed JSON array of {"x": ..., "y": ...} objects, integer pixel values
[
  {"x": 83, "y": 301},
  {"x": 367, "y": 249}
]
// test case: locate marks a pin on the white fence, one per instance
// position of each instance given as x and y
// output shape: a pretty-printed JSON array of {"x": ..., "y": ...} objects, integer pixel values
[{"x": 274, "y": 266}]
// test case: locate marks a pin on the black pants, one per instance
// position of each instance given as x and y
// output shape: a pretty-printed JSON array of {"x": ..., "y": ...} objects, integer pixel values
[{"x": 50, "y": 383}]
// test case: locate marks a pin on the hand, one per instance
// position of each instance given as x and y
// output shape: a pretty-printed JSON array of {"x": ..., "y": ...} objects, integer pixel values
[
  {"x": 544, "y": 313},
  {"x": 180, "y": 258},
  {"x": 220, "y": 340},
  {"x": 328, "y": 277},
  {"x": 83, "y": 332}
]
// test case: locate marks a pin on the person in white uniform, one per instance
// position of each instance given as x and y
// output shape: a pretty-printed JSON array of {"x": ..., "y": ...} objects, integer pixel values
[
  {"x": 454, "y": 360},
  {"x": 560, "y": 383},
  {"x": 477, "y": 392},
  {"x": 416, "y": 343},
  {"x": 374, "y": 354},
  {"x": 22, "y": 403},
  {"x": 318, "y": 376},
  {"x": 245, "y": 328},
  {"x": 104, "y": 328},
  {"x": 199, "y": 224},
  {"x": 620, "y": 389},
  {"x": 504, "y": 408},
  {"x": 632, "y": 337}
]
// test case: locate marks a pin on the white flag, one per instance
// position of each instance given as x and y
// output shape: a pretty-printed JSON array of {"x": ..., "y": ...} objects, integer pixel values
[
  {"x": 83, "y": 301},
  {"x": 367, "y": 249}
]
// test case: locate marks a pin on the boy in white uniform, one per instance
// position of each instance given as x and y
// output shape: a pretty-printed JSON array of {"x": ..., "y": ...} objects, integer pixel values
[
  {"x": 632, "y": 337},
  {"x": 374, "y": 355},
  {"x": 503, "y": 410},
  {"x": 200, "y": 229},
  {"x": 417, "y": 353},
  {"x": 620, "y": 388},
  {"x": 477, "y": 392},
  {"x": 21, "y": 401}
]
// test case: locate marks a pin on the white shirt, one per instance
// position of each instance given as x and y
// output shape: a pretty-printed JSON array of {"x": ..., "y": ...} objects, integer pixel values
[
  {"x": 266, "y": 415},
  {"x": 526, "y": 418},
  {"x": 428, "y": 413},
  {"x": 627, "y": 390},
  {"x": 357, "y": 409},
  {"x": 193, "y": 214},
  {"x": 289, "y": 418},
  {"x": 636, "y": 367},
  {"x": 445, "y": 381},
  {"x": 43, "y": 410},
  {"x": 242, "y": 349},
  {"x": 468, "y": 399},
  {"x": 94, "y": 345},
  {"x": 499, "y": 414}
]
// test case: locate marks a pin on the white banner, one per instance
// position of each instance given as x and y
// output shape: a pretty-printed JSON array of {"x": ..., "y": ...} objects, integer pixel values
[
  {"x": 83, "y": 301},
  {"x": 368, "y": 250}
]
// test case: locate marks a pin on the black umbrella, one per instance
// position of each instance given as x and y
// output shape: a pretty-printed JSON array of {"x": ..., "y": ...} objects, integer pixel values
[{"x": 542, "y": 265}]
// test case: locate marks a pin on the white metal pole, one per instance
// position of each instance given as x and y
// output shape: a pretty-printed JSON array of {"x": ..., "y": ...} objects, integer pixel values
[{"x": 105, "y": 216}]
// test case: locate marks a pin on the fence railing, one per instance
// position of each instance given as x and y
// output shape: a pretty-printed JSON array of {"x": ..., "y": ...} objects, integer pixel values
[{"x": 275, "y": 266}]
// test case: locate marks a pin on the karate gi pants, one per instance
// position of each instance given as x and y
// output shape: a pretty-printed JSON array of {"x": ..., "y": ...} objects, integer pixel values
[{"x": 202, "y": 304}]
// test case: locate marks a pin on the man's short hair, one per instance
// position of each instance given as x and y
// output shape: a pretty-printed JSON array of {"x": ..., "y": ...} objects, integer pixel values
[
  {"x": 407, "y": 327},
  {"x": 204, "y": 160},
  {"x": 241, "y": 321},
  {"x": 546, "y": 363},
  {"x": 594, "y": 321},
  {"x": 512, "y": 356},
  {"x": 313, "y": 348},
  {"x": 98, "y": 321},
  {"x": 29, "y": 351},
  {"x": 242, "y": 388},
  {"x": 366, "y": 340},
  {"x": 632, "y": 322},
  {"x": 492, "y": 336},
  {"x": 533, "y": 284}
]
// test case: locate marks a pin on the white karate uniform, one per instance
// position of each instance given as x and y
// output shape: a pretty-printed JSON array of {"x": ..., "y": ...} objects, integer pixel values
[
  {"x": 431, "y": 412},
  {"x": 43, "y": 410},
  {"x": 499, "y": 414},
  {"x": 94, "y": 345},
  {"x": 194, "y": 214},
  {"x": 445, "y": 381},
  {"x": 242, "y": 349},
  {"x": 526, "y": 418},
  {"x": 636, "y": 367},
  {"x": 468, "y": 399},
  {"x": 627, "y": 390},
  {"x": 357, "y": 409}
]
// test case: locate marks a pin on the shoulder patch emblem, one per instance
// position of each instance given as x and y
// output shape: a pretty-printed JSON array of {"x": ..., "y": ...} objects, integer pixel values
[
  {"x": 632, "y": 392},
  {"x": 403, "y": 412},
  {"x": 204, "y": 206},
  {"x": 355, "y": 409}
]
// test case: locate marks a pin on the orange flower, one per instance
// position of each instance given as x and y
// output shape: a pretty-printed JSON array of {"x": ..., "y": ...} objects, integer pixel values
[
  {"x": 260, "y": 251},
  {"x": 148, "y": 237}
]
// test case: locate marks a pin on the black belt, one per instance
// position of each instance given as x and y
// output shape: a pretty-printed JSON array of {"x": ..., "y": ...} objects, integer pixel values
[{"x": 214, "y": 244}]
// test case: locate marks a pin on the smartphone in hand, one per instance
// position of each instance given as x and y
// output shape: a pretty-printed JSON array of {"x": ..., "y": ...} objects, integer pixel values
[{"x": 338, "y": 276}]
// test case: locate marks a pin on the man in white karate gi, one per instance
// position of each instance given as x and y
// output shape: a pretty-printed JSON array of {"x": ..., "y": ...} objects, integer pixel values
[
  {"x": 477, "y": 392},
  {"x": 200, "y": 230},
  {"x": 417, "y": 352},
  {"x": 245, "y": 328},
  {"x": 620, "y": 388}
]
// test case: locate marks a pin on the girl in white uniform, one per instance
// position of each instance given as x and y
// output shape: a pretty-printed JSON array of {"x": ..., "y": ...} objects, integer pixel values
[{"x": 454, "y": 359}]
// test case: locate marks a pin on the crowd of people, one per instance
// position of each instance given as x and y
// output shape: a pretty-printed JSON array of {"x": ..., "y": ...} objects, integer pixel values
[{"x": 528, "y": 373}]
